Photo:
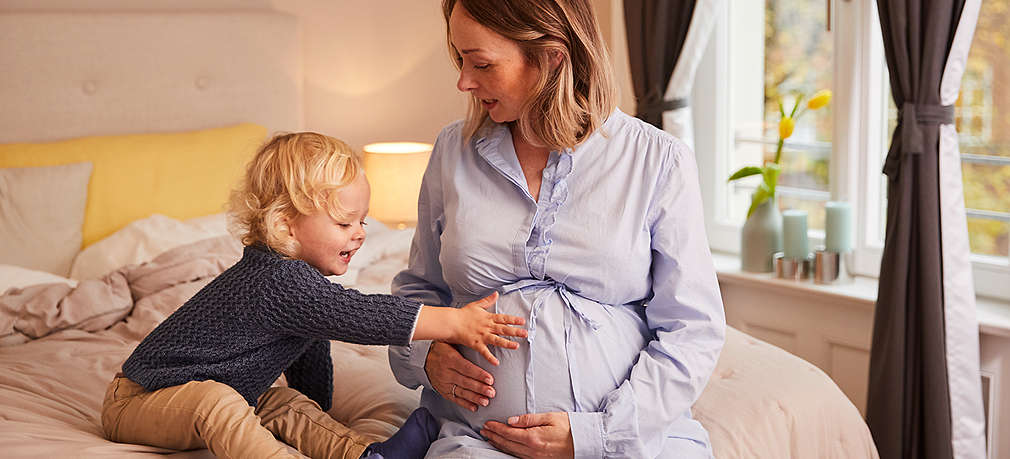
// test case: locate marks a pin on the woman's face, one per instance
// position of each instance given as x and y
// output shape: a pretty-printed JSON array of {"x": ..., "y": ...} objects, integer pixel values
[{"x": 493, "y": 68}]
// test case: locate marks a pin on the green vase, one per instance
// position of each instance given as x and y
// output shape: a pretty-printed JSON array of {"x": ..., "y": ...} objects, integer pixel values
[{"x": 761, "y": 238}]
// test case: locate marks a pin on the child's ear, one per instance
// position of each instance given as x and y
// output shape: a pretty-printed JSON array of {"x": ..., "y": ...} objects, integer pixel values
[{"x": 286, "y": 222}]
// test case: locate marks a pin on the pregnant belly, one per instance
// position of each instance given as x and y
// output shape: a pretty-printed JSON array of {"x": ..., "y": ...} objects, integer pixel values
[{"x": 550, "y": 377}]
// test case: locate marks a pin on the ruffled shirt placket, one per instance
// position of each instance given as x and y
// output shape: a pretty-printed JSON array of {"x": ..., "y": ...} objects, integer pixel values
[
  {"x": 537, "y": 250},
  {"x": 555, "y": 174}
]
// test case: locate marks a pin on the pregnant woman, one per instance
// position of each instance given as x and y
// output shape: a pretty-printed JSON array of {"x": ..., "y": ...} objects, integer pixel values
[{"x": 589, "y": 223}]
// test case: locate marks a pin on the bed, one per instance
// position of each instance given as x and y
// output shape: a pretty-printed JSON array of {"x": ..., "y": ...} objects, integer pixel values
[{"x": 162, "y": 91}]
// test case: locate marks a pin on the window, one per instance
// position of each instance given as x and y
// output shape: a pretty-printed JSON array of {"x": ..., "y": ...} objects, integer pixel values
[
  {"x": 788, "y": 42},
  {"x": 763, "y": 50},
  {"x": 985, "y": 151}
]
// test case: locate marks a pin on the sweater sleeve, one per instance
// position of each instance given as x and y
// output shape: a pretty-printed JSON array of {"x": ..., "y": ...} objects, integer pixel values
[
  {"x": 297, "y": 300},
  {"x": 312, "y": 373}
]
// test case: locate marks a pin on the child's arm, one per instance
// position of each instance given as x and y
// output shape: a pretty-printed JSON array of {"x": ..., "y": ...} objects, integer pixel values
[
  {"x": 471, "y": 326},
  {"x": 299, "y": 301},
  {"x": 312, "y": 373}
]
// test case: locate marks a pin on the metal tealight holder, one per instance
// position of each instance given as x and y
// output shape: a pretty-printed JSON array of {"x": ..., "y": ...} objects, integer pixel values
[
  {"x": 793, "y": 268},
  {"x": 832, "y": 267}
]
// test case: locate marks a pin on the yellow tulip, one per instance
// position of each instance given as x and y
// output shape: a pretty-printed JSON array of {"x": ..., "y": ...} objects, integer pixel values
[
  {"x": 786, "y": 127},
  {"x": 820, "y": 99}
]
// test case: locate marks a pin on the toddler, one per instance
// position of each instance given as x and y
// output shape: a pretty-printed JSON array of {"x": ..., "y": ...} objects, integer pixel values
[{"x": 203, "y": 377}]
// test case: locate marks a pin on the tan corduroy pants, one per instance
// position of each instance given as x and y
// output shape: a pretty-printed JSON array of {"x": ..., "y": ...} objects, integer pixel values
[{"x": 211, "y": 414}]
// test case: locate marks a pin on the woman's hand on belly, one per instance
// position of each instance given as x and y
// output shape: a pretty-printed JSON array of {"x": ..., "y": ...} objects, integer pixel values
[
  {"x": 532, "y": 435},
  {"x": 457, "y": 379}
]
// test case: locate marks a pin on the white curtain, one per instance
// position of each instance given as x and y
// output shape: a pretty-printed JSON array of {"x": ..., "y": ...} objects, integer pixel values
[
  {"x": 679, "y": 122},
  {"x": 967, "y": 417}
]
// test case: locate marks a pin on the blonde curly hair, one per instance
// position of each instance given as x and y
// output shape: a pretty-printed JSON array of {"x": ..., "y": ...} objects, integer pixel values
[{"x": 291, "y": 174}]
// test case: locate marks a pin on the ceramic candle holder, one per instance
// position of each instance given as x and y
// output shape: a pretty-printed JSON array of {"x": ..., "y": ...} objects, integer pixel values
[{"x": 794, "y": 234}]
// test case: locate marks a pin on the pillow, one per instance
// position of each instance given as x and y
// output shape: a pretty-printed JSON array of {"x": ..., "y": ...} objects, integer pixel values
[
  {"x": 180, "y": 175},
  {"x": 41, "y": 212},
  {"x": 142, "y": 241},
  {"x": 371, "y": 250},
  {"x": 216, "y": 224},
  {"x": 366, "y": 396},
  {"x": 17, "y": 277},
  {"x": 13, "y": 279}
]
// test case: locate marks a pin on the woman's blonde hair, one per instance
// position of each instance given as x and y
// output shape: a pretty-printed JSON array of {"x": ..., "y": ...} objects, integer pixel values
[
  {"x": 570, "y": 101},
  {"x": 291, "y": 174}
]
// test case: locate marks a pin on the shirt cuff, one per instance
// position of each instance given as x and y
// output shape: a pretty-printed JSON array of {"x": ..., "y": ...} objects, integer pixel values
[
  {"x": 413, "y": 328},
  {"x": 418, "y": 356},
  {"x": 587, "y": 434}
]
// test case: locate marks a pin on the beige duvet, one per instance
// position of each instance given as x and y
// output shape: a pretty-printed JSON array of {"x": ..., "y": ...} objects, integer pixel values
[{"x": 59, "y": 347}]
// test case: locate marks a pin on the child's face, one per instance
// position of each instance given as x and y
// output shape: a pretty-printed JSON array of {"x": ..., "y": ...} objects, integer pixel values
[{"x": 327, "y": 244}]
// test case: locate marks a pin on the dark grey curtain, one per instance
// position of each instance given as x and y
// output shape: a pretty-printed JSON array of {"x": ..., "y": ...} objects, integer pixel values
[
  {"x": 656, "y": 31},
  {"x": 908, "y": 406}
]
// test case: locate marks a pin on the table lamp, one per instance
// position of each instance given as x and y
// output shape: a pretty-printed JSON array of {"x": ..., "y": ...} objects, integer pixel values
[{"x": 394, "y": 171}]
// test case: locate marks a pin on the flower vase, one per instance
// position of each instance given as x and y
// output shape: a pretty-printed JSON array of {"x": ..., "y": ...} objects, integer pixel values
[{"x": 761, "y": 238}]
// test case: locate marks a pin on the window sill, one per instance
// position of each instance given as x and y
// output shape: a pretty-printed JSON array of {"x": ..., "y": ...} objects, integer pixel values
[{"x": 993, "y": 314}]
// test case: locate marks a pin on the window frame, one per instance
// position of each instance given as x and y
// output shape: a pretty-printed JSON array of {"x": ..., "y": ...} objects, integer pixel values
[{"x": 860, "y": 138}]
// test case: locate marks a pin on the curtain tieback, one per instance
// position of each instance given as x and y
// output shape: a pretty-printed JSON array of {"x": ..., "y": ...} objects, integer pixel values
[
  {"x": 912, "y": 115},
  {"x": 910, "y": 118},
  {"x": 656, "y": 108}
]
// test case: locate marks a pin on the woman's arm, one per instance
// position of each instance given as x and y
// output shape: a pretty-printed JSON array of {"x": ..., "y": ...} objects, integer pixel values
[
  {"x": 686, "y": 316},
  {"x": 422, "y": 280},
  {"x": 437, "y": 366}
]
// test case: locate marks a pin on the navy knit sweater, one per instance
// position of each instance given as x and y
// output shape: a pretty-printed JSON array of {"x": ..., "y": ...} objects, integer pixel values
[{"x": 263, "y": 316}]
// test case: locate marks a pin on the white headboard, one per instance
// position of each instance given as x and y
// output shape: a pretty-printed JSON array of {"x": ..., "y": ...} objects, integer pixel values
[{"x": 66, "y": 75}]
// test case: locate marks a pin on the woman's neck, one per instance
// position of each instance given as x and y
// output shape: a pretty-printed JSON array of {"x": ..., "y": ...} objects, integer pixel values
[
  {"x": 526, "y": 149},
  {"x": 532, "y": 160}
]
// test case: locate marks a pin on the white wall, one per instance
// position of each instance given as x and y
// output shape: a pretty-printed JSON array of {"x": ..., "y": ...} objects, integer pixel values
[
  {"x": 835, "y": 332},
  {"x": 610, "y": 14},
  {"x": 374, "y": 71}
]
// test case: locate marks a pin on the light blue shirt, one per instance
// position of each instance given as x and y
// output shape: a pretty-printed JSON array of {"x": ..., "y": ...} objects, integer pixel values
[{"x": 611, "y": 268}]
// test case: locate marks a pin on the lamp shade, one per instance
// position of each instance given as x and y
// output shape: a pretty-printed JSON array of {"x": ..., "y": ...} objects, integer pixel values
[{"x": 394, "y": 170}]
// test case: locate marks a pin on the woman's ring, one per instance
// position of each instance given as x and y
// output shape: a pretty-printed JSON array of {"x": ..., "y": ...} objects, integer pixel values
[{"x": 453, "y": 391}]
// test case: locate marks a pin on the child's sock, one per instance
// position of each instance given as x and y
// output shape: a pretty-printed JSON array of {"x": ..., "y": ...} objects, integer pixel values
[{"x": 411, "y": 441}]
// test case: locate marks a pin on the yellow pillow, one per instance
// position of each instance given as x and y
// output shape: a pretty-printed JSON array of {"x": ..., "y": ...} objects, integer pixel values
[{"x": 181, "y": 175}]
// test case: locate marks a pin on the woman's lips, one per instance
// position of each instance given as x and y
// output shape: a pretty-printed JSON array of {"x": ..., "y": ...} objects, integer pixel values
[{"x": 489, "y": 103}]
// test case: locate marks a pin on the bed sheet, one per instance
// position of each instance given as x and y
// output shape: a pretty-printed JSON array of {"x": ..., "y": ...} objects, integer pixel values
[
  {"x": 760, "y": 402},
  {"x": 51, "y": 388}
]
